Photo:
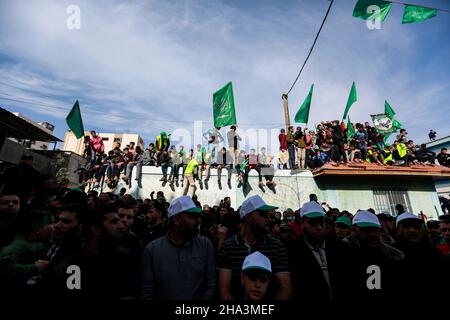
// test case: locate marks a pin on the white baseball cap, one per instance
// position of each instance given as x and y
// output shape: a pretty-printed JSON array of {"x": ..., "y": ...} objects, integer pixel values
[
  {"x": 254, "y": 203},
  {"x": 364, "y": 219},
  {"x": 405, "y": 216},
  {"x": 182, "y": 204},
  {"x": 258, "y": 261},
  {"x": 312, "y": 209}
]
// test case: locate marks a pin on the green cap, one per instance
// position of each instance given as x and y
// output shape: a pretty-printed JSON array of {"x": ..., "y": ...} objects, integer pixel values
[{"x": 344, "y": 220}]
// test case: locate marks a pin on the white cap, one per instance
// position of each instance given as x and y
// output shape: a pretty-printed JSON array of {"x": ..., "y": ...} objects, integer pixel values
[
  {"x": 364, "y": 219},
  {"x": 257, "y": 260},
  {"x": 254, "y": 203},
  {"x": 312, "y": 209},
  {"x": 182, "y": 204},
  {"x": 406, "y": 215}
]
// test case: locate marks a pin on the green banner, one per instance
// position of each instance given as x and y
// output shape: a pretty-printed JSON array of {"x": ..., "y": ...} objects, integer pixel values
[
  {"x": 388, "y": 110},
  {"x": 223, "y": 107},
  {"x": 414, "y": 14},
  {"x": 302, "y": 115},
  {"x": 372, "y": 9},
  {"x": 351, "y": 99},
  {"x": 75, "y": 122},
  {"x": 382, "y": 122},
  {"x": 350, "y": 129}
]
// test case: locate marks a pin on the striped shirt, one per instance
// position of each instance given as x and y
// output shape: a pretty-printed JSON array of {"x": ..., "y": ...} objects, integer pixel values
[{"x": 234, "y": 250}]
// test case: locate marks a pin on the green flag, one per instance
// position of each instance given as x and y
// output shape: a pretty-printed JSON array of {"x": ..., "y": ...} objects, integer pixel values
[
  {"x": 395, "y": 126},
  {"x": 388, "y": 110},
  {"x": 350, "y": 129},
  {"x": 223, "y": 107},
  {"x": 417, "y": 14},
  {"x": 350, "y": 101},
  {"x": 243, "y": 165},
  {"x": 303, "y": 113},
  {"x": 368, "y": 9},
  {"x": 74, "y": 121}
]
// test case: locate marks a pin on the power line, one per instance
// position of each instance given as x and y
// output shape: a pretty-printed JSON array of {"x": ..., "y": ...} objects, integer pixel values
[
  {"x": 312, "y": 47},
  {"x": 33, "y": 102}
]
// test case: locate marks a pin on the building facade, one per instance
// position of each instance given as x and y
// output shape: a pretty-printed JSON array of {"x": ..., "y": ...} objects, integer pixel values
[
  {"x": 33, "y": 144},
  {"x": 346, "y": 188},
  {"x": 442, "y": 186},
  {"x": 71, "y": 143}
]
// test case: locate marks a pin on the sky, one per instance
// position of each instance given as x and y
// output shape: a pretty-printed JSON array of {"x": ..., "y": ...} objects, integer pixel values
[{"x": 147, "y": 66}]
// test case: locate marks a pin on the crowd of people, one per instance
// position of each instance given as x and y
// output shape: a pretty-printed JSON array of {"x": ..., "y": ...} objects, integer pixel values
[
  {"x": 150, "y": 249},
  {"x": 332, "y": 142},
  {"x": 193, "y": 165}
]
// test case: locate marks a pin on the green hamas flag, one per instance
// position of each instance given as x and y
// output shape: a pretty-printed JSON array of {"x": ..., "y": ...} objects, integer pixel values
[
  {"x": 350, "y": 129},
  {"x": 303, "y": 113},
  {"x": 223, "y": 107},
  {"x": 350, "y": 101},
  {"x": 417, "y": 14},
  {"x": 382, "y": 122},
  {"x": 74, "y": 121},
  {"x": 388, "y": 110},
  {"x": 395, "y": 126},
  {"x": 372, "y": 9}
]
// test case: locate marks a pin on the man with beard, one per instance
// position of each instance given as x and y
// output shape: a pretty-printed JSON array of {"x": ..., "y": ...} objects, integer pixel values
[
  {"x": 67, "y": 233},
  {"x": 320, "y": 274},
  {"x": 107, "y": 270},
  {"x": 369, "y": 251},
  {"x": 180, "y": 265},
  {"x": 254, "y": 236}
]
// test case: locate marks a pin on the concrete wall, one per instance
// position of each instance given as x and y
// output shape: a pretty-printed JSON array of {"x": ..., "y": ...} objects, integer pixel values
[
  {"x": 46, "y": 162},
  {"x": 12, "y": 152},
  {"x": 293, "y": 189},
  {"x": 442, "y": 186}
]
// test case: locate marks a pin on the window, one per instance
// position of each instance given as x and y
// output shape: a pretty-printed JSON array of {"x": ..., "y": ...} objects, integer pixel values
[
  {"x": 385, "y": 200},
  {"x": 118, "y": 140},
  {"x": 105, "y": 139}
]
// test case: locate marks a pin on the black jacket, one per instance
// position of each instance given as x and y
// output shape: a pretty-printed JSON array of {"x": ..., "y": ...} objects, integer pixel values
[
  {"x": 309, "y": 283},
  {"x": 424, "y": 270}
]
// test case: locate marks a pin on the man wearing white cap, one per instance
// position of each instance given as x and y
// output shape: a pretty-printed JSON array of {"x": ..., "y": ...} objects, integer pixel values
[
  {"x": 180, "y": 265},
  {"x": 422, "y": 259},
  {"x": 255, "y": 276},
  {"x": 365, "y": 242},
  {"x": 254, "y": 236},
  {"x": 318, "y": 266}
]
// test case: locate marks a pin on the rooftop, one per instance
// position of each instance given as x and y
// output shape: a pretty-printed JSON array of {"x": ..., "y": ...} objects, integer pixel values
[
  {"x": 437, "y": 142},
  {"x": 367, "y": 169},
  {"x": 13, "y": 126}
]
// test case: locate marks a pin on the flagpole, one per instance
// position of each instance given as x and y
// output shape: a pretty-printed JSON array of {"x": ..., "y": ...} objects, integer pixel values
[{"x": 286, "y": 110}]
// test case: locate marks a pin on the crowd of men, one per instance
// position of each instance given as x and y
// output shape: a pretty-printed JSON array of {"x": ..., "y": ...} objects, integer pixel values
[
  {"x": 332, "y": 142},
  {"x": 194, "y": 166},
  {"x": 59, "y": 243}
]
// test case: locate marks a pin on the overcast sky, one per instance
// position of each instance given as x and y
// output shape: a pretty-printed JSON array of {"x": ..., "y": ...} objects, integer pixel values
[{"x": 134, "y": 62}]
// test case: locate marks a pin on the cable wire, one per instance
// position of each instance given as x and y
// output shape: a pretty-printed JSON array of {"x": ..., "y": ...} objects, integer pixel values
[{"x": 312, "y": 47}]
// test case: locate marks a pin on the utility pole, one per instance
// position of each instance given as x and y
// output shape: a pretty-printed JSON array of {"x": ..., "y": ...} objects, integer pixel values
[{"x": 286, "y": 111}]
